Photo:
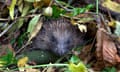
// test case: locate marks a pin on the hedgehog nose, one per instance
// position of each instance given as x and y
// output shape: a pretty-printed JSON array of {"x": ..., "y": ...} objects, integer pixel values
[{"x": 62, "y": 49}]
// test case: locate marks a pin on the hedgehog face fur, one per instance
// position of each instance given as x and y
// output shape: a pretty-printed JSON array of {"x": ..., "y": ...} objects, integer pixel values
[{"x": 58, "y": 36}]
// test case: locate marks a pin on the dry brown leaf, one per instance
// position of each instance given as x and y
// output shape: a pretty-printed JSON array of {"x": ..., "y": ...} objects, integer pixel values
[
  {"x": 109, "y": 49},
  {"x": 106, "y": 50}
]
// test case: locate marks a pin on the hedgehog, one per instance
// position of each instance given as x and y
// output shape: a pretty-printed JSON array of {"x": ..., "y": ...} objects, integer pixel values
[{"x": 58, "y": 36}]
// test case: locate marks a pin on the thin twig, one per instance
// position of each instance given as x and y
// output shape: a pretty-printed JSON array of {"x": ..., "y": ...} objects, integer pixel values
[
  {"x": 57, "y": 2},
  {"x": 22, "y": 47},
  {"x": 50, "y": 3},
  {"x": 3, "y": 19},
  {"x": 2, "y": 33},
  {"x": 8, "y": 19}
]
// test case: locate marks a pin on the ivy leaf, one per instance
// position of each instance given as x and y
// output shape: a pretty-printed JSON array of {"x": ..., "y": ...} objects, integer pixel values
[{"x": 11, "y": 8}]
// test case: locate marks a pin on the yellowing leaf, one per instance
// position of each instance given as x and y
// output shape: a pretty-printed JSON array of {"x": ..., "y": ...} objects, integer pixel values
[
  {"x": 36, "y": 29},
  {"x": 112, "y": 23},
  {"x": 112, "y": 5},
  {"x": 73, "y": 22},
  {"x": 2, "y": 63},
  {"x": 80, "y": 67},
  {"x": 22, "y": 62},
  {"x": 11, "y": 8}
]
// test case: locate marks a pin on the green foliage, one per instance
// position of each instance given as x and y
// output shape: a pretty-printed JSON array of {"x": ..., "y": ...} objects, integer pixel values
[
  {"x": 21, "y": 39},
  {"x": 80, "y": 67},
  {"x": 7, "y": 59},
  {"x": 117, "y": 30},
  {"x": 20, "y": 22},
  {"x": 76, "y": 65},
  {"x": 109, "y": 69},
  {"x": 11, "y": 8},
  {"x": 32, "y": 23},
  {"x": 26, "y": 9},
  {"x": 77, "y": 11},
  {"x": 57, "y": 11},
  {"x": 74, "y": 59}
]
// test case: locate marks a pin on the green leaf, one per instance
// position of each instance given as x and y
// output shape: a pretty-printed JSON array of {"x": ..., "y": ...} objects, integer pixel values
[
  {"x": 74, "y": 59},
  {"x": 109, "y": 69},
  {"x": 77, "y": 11},
  {"x": 32, "y": 24},
  {"x": 117, "y": 30},
  {"x": 80, "y": 67},
  {"x": 26, "y": 9},
  {"x": 20, "y": 22},
  {"x": 21, "y": 39},
  {"x": 82, "y": 10},
  {"x": 11, "y": 8},
  {"x": 89, "y": 6},
  {"x": 8, "y": 58},
  {"x": 113, "y": 69},
  {"x": 20, "y": 5},
  {"x": 57, "y": 11}
]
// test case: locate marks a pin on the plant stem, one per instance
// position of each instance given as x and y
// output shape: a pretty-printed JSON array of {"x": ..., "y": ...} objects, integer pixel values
[
  {"x": 36, "y": 66},
  {"x": 44, "y": 65},
  {"x": 97, "y": 9}
]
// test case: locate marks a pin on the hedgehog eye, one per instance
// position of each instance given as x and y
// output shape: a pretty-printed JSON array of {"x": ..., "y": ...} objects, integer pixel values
[
  {"x": 67, "y": 42},
  {"x": 53, "y": 39}
]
